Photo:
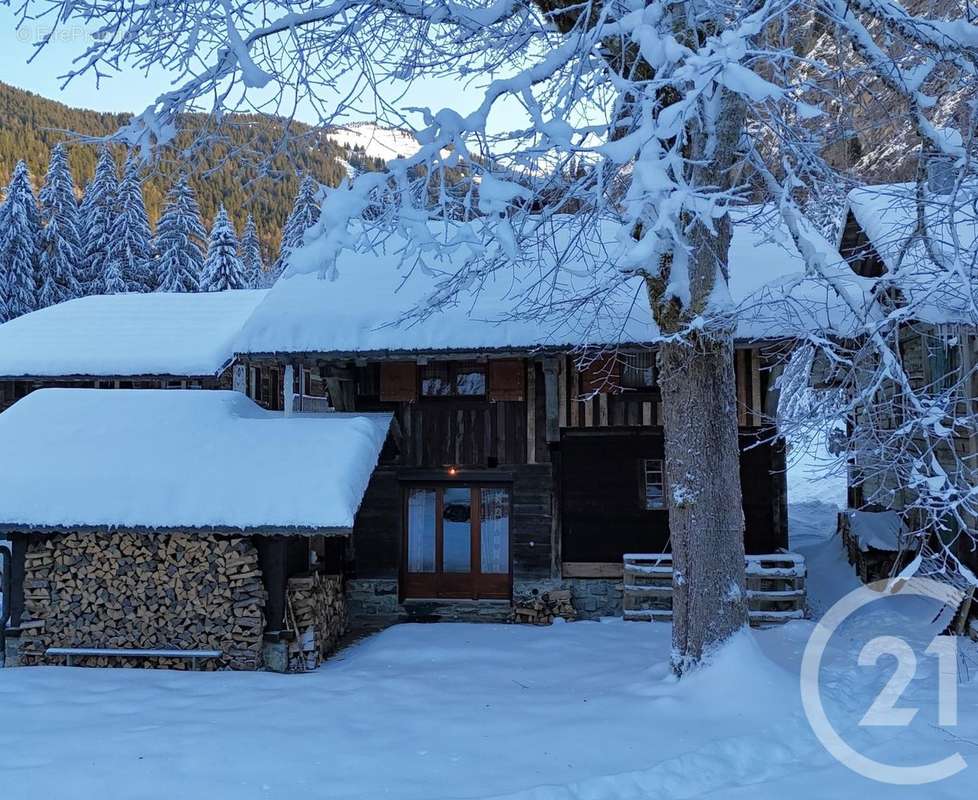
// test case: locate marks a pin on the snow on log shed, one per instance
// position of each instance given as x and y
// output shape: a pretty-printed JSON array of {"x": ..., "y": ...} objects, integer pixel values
[
  {"x": 157, "y": 340},
  {"x": 179, "y": 519}
]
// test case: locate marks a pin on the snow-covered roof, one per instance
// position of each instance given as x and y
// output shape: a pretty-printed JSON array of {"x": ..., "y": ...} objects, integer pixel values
[
  {"x": 158, "y": 458},
  {"x": 937, "y": 281},
  {"x": 358, "y": 311},
  {"x": 128, "y": 334}
]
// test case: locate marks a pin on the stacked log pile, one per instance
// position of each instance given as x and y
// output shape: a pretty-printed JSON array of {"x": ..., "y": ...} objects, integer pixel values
[
  {"x": 173, "y": 591},
  {"x": 541, "y": 608},
  {"x": 316, "y": 615}
]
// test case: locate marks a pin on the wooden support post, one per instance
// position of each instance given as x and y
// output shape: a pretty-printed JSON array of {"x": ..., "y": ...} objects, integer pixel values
[
  {"x": 757, "y": 416},
  {"x": 288, "y": 389},
  {"x": 273, "y": 561},
  {"x": 18, "y": 547},
  {"x": 531, "y": 412},
  {"x": 575, "y": 409},
  {"x": 562, "y": 392},
  {"x": 550, "y": 375},
  {"x": 740, "y": 365}
]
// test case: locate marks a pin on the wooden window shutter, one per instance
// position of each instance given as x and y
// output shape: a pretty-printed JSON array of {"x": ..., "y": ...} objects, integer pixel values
[
  {"x": 398, "y": 381},
  {"x": 506, "y": 379},
  {"x": 602, "y": 375}
]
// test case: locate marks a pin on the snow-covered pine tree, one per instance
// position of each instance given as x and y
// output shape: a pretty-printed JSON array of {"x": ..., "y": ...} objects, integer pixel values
[
  {"x": 61, "y": 245},
  {"x": 304, "y": 214},
  {"x": 223, "y": 269},
  {"x": 98, "y": 213},
  {"x": 254, "y": 268},
  {"x": 179, "y": 241},
  {"x": 131, "y": 236},
  {"x": 20, "y": 231}
]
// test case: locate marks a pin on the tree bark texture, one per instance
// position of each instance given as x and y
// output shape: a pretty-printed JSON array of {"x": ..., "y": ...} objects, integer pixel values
[{"x": 706, "y": 517}]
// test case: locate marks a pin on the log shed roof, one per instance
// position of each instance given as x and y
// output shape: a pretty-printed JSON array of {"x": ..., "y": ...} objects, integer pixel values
[
  {"x": 127, "y": 335},
  {"x": 154, "y": 460}
]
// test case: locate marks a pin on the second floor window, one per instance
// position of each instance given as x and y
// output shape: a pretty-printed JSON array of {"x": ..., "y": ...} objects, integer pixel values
[
  {"x": 453, "y": 379},
  {"x": 655, "y": 496},
  {"x": 638, "y": 370}
]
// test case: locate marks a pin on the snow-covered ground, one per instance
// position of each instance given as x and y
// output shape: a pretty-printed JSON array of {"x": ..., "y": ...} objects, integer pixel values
[{"x": 582, "y": 711}]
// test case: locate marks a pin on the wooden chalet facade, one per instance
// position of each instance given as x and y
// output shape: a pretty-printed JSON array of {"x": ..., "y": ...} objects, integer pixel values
[
  {"x": 517, "y": 471},
  {"x": 513, "y": 465}
]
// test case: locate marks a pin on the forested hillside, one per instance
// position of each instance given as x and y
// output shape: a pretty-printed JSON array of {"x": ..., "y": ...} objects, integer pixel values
[{"x": 30, "y": 125}]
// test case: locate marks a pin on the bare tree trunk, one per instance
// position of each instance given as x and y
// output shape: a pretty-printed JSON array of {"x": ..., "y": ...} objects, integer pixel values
[{"x": 706, "y": 518}]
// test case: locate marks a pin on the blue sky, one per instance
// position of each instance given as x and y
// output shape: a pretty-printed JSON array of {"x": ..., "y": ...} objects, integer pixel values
[
  {"x": 123, "y": 93},
  {"x": 132, "y": 92}
]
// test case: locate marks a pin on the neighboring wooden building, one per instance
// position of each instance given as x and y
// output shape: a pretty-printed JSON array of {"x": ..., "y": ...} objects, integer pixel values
[
  {"x": 937, "y": 340},
  {"x": 125, "y": 341}
]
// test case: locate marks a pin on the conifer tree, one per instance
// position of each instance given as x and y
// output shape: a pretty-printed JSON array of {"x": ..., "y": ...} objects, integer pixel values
[
  {"x": 179, "y": 241},
  {"x": 19, "y": 246},
  {"x": 304, "y": 214},
  {"x": 254, "y": 269},
  {"x": 223, "y": 269},
  {"x": 61, "y": 246},
  {"x": 131, "y": 238},
  {"x": 98, "y": 214}
]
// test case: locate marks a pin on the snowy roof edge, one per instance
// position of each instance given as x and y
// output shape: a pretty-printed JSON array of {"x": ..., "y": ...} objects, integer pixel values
[
  {"x": 255, "y": 530},
  {"x": 502, "y": 351}
]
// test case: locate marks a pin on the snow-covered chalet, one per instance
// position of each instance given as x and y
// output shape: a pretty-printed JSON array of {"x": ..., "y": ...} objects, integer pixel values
[{"x": 448, "y": 467}]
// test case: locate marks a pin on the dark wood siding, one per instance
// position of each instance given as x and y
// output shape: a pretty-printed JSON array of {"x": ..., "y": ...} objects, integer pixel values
[{"x": 601, "y": 491}]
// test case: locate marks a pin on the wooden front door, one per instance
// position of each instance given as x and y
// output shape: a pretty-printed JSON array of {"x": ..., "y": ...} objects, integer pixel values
[{"x": 457, "y": 542}]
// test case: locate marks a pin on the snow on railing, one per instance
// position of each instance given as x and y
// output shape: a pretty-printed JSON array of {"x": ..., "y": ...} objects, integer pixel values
[{"x": 775, "y": 587}]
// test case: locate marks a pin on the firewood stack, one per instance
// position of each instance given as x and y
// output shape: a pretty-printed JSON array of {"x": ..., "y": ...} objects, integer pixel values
[
  {"x": 316, "y": 615},
  {"x": 540, "y": 608},
  {"x": 173, "y": 591}
]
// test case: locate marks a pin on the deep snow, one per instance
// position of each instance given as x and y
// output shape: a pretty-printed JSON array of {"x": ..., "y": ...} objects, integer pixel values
[
  {"x": 305, "y": 313},
  {"x": 581, "y": 711},
  {"x": 181, "y": 458},
  {"x": 159, "y": 333}
]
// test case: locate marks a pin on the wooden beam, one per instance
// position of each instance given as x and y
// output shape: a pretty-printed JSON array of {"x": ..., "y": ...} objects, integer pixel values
[
  {"x": 531, "y": 412},
  {"x": 740, "y": 366},
  {"x": 288, "y": 389},
  {"x": 575, "y": 409},
  {"x": 592, "y": 569},
  {"x": 550, "y": 376},
  {"x": 562, "y": 392},
  {"x": 757, "y": 415}
]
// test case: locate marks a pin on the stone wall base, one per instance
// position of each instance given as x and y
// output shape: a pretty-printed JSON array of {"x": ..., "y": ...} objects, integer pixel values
[{"x": 373, "y": 602}]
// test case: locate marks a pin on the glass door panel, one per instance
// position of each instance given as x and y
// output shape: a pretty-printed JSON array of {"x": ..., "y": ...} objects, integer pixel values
[
  {"x": 457, "y": 530},
  {"x": 421, "y": 530},
  {"x": 494, "y": 529}
]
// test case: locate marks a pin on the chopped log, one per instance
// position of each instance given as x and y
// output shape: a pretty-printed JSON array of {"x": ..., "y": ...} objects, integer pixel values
[{"x": 181, "y": 590}]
